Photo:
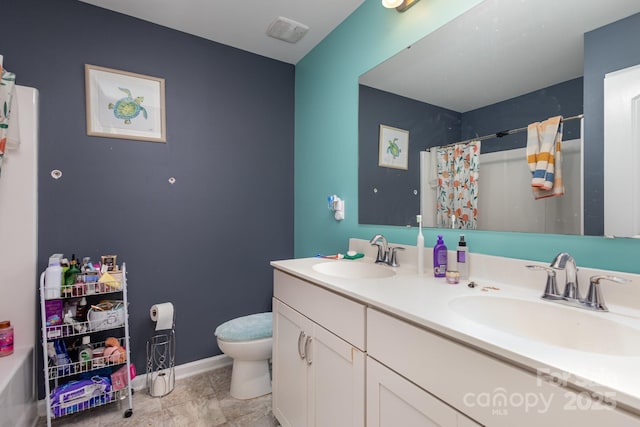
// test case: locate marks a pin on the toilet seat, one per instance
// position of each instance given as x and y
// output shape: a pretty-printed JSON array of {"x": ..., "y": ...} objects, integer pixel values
[
  {"x": 246, "y": 328},
  {"x": 248, "y": 341}
]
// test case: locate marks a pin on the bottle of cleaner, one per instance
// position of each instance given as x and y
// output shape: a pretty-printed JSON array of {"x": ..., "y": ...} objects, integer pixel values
[
  {"x": 462, "y": 257},
  {"x": 420, "y": 245},
  {"x": 439, "y": 258}
]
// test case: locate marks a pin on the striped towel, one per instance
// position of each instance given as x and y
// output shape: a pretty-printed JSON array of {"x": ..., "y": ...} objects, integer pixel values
[{"x": 544, "y": 157}]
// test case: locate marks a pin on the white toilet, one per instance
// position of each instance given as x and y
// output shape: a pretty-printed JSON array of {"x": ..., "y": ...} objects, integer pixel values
[{"x": 248, "y": 341}]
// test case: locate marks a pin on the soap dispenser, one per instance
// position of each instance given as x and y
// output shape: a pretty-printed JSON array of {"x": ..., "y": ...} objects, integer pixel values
[{"x": 440, "y": 258}]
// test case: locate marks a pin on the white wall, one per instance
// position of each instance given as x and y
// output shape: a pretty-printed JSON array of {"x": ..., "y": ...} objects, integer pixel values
[
  {"x": 18, "y": 245},
  {"x": 18, "y": 226},
  {"x": 505, "y": 199}
]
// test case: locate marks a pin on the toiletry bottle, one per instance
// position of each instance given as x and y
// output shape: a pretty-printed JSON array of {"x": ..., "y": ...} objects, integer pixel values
[
  {"x": 65, "y": 366},
  {"x": 439, "y": 258},
  {"x": 85, "y": 354},
  {"x": 462, "y": 257},
  {"x": 52, "y": 278},
  {"x": 81, "y": 310},
  {"x": 420, "y": 245},
  {"x": 69, "y": 320},
  {"x": 6, "y": 338},
  {"x": 70, "y": 276}
]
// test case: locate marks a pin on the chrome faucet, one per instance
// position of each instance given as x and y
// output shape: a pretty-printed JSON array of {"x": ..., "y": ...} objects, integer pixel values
[
  {"x": 571, "y": 293},
  {"x": 381, "y": 242},
  {"x": 386, "y": 254},
  {"x": 564, "y": 261}
]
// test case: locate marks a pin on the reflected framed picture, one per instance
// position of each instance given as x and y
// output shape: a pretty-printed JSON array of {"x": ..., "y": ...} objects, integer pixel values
[
  {"x": 394, "y": 148},
  {"x": 124, "y": 105}
]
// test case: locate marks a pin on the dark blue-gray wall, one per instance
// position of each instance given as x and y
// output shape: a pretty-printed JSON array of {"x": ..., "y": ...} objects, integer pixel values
[
  {"x": 606, "y": 49},
  {"x": 562, "y": 99},
  {"x": 428, "y": 126},
  {"x": 203, "y": 243}
]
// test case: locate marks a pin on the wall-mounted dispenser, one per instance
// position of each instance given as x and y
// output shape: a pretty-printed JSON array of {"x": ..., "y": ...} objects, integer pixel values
[{"x": 336, "y": 204}]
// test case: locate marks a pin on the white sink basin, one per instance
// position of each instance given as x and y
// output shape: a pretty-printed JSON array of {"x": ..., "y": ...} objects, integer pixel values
[
  {"x": 551, "y": 323},
  {"x": 353, "y": 270}
]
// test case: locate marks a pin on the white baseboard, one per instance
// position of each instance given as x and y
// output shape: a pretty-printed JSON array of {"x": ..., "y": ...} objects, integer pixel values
[{"x": 182, "y": 371}]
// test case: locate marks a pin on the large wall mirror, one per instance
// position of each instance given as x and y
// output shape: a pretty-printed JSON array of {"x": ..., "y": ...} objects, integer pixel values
[{"x": 500, "y": 66}]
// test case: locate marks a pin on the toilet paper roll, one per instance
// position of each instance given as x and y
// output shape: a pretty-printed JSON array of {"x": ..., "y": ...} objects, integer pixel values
[
  {"x": 162, "y": 314},
  {"x": 162, "y": 383}
]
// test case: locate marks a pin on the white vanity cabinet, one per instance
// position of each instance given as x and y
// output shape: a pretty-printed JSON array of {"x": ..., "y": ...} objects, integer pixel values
[
  {"x": 318, "y": 356},
  {"x": 490, "y": 391},
  {"x": 391, "y": 399}
]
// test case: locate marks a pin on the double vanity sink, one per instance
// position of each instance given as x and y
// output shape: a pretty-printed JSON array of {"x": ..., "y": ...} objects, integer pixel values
[
  {"x": 501, "y": 319},
  {"x": 531, "y": 319}
]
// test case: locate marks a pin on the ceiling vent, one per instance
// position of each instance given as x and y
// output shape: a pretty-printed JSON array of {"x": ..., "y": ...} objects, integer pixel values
[{"x": 287, "y": 29}]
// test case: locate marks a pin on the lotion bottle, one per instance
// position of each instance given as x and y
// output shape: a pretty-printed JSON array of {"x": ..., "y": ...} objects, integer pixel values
[
  {"x": 85, "y": 354},
  {"x": 462, "y": 257},
  {"x": 420, "y": 245},
  {"x": 440, "y": 258}
]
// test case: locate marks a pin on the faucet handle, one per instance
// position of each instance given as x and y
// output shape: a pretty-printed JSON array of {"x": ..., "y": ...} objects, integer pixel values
[
  {"x": 393, "y": 258},
  {"x": 594, "y": 296},
  {"x": 380, "y": 241},
  {"x": 551, "y": 288}
]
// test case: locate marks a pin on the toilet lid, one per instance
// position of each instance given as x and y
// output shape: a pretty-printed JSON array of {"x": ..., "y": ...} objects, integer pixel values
[{"x": 246, "y": 328}]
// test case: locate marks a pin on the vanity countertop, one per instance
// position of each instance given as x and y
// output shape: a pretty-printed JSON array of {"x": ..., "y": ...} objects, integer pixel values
[{"x": 425, "y": 301}]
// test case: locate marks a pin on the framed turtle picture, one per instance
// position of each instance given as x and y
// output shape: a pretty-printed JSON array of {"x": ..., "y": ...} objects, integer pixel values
[
  {"x": 121, "y": 104},
  {"x": 394, "y": 148}
]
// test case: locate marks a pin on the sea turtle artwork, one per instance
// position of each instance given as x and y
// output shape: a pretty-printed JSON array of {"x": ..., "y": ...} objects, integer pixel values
[
  {"x": 128, "y": 108},
  {"x": 394, "y": 148}
]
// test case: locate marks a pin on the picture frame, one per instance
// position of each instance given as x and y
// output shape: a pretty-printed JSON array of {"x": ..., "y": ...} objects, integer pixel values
[
  {"x": 121, "y": 104},
  {"x": 109, "y": 262},
  {"x": 394, "y": 148}
]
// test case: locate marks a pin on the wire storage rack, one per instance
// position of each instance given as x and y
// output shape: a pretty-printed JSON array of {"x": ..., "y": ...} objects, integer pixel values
[{"x": 73, "y": 384}]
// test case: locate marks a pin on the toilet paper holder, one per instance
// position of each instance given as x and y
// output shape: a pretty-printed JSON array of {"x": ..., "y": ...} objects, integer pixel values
[{"x": 161, "y": 350}]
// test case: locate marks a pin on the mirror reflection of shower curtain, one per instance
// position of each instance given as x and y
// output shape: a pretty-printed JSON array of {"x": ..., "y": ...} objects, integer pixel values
[{"x": 457, "y": 192}]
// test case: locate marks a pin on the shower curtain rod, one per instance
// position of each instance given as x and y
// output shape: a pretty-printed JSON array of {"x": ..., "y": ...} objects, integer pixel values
[{"x": 499, "y": 134}]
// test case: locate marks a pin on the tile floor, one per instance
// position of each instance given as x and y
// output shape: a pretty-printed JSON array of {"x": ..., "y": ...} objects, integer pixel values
[{"x": 199, "y": 401}]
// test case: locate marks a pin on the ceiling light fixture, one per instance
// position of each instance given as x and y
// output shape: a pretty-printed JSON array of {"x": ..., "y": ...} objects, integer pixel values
[
  {"x": 287, "y": 29},
  {"x": 391, "y": 4},
  {"x": 399, "y": 5}
]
